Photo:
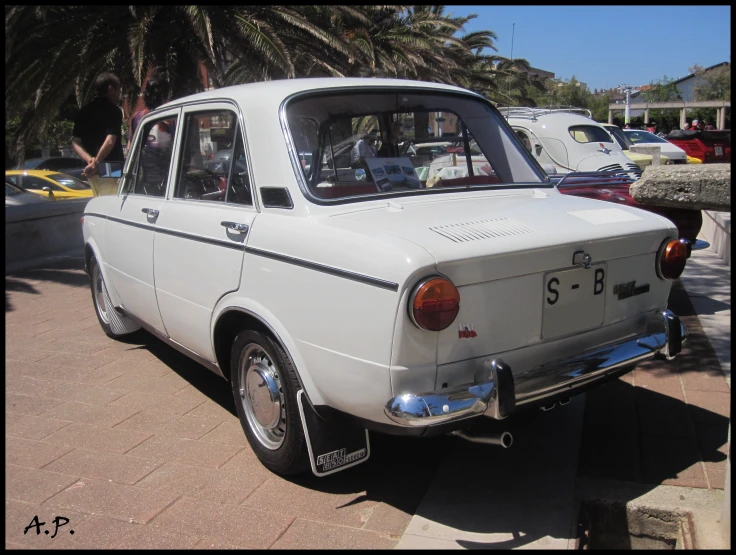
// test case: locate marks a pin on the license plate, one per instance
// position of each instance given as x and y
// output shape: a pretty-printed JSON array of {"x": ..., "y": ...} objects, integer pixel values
[
  {"x": 574, "y": 300},
  {"x": 719, "y": 150}
]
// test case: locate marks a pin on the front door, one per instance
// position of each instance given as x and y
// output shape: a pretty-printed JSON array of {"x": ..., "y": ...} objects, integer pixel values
[
  {"x": 203, "y": 226},
  {"x": 130, "y": 228}
]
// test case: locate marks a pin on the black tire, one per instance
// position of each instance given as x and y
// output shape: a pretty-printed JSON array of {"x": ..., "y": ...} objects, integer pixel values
[
  {"x": 276, "y": 435},
  {"x": 104, "y": 310}
]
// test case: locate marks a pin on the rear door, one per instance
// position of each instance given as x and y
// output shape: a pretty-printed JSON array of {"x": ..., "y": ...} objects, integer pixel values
[{"x": 203, "y": 226}]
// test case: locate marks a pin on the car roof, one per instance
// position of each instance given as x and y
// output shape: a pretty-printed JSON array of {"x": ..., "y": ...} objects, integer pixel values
[
  {"x": 32, "y": 173},
  {"x": 554, "y": 118},
  {"x": 283, "y": 88}
]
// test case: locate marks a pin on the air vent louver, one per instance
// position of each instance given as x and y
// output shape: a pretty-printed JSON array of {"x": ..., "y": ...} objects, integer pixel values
[
  {"x": 483, "y": 229},
  {"x": 276, "y": 197}
]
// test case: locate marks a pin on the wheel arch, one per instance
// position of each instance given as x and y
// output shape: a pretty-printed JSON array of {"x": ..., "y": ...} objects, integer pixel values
[
  {"x": 91, "y": 249},
  {"x": 232, "y": 319}
]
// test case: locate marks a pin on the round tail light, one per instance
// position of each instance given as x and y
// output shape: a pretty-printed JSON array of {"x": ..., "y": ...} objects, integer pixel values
[
  {"x": 434, "y": 304},
  {"x": 671, "y": 259}
]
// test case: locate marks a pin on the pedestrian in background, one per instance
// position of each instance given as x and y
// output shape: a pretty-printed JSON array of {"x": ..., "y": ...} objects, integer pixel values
[
  {"x": 686, "y": 126},
  {"x": 155, "y": 94},
  {"x": 709, "y": 126},
  {"x": 97, "y": 132}
]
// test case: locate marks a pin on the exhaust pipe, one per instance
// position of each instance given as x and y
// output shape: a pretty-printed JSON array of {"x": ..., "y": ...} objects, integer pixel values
[
  {"x": 549, "y": 407},
  {"x": 504, "y": 439},
  {"x": 564, "y": 402}
]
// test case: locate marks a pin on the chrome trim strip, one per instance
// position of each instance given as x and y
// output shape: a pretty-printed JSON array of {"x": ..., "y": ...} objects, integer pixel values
[
  {"x": 198, "y": 238},
  {"x": 368, "y": 280},
  {"x": 212, "y": 366},
  {"x": 489, "y": 395}
]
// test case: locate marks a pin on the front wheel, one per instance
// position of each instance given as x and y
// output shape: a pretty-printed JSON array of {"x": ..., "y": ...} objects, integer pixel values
[
  {"x": 113, "y": 324},
  {"x": 265, "y": 384}
]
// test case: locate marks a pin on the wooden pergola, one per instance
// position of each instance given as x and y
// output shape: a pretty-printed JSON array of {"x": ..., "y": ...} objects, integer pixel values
[{"x": 682, "y": 105}]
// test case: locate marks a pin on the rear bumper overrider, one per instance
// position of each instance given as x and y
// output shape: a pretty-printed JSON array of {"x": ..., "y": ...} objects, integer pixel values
[{"x": 496, "y": 392}]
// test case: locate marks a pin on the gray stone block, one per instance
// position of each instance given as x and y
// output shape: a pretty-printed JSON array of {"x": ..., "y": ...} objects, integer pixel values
[
  {"x": 652, "y": 150},
  {"x": 696, "y": 186}
]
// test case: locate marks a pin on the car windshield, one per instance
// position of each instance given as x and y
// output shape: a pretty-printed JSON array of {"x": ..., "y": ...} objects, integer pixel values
[
  {"x": 69, "y": 182},
  {"x": 364, "y": 144},
  {"x": 623, "y": 141},
  {"x": 644, "y": 137},
  {"x": 11, "y": 191}
]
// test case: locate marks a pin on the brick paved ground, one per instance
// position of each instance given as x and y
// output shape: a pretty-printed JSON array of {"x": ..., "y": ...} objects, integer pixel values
[
  {"x": 665, "y": 422},
  {"x": 139, "y": 447}
]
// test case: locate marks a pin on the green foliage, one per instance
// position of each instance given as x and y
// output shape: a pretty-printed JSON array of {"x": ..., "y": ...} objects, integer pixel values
[
  {"x": 661, "y": 90},
  {"x": 712, "y": 85}
]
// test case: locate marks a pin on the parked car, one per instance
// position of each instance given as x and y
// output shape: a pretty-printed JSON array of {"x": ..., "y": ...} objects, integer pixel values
[
  {"x": 336, "y": 303},
  {"x": 645, "y": 138},
  {"x": 51, "y": 184},
  {"x": 569, "y": 140},
  {"x": 616, "y": 189},
  {"x": 62, "y": 164},
  {"x": 623, "y": 141},
  {"x": 15, "y": 196},
  {"x": 710, "y": 147}
]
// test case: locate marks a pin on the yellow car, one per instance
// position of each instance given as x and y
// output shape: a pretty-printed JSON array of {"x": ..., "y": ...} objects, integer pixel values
[
  {"x": 51, "y": 184},
  {"x": 622, "y": 140},
  {"x": 693, "y": 160}
]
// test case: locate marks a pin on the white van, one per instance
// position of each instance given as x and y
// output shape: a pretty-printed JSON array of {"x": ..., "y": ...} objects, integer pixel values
[{"x": 568, "y": 140}]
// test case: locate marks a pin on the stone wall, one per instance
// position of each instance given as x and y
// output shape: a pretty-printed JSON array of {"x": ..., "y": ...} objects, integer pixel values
[{"x": 696, "y": 186}]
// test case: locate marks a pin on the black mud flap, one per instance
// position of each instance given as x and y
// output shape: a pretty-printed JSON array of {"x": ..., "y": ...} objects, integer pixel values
[{"x": 334, "y": 445}]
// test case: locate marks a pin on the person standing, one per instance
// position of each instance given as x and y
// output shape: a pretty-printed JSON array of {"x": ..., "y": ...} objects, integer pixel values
[
  {"x": 155, "y": 94},
  {"x": 363, "y": 149},
  {"x": 97, "y": 132},
  {"x": 686, "y": 126}
]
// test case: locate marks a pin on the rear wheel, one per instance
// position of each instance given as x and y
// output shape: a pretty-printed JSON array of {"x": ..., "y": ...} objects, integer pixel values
[
  {"x": 113, "y": 324},
  {"x": 265, "y": 384}
]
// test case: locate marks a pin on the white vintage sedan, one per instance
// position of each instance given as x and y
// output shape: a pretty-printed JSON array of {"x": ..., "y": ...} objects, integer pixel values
[{"x": 345, "y": 295}]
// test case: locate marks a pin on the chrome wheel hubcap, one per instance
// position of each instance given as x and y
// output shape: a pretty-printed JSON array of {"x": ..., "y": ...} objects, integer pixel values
[
  {"x": 262, "y": 397},
  {"x": 99, "y": 289}
]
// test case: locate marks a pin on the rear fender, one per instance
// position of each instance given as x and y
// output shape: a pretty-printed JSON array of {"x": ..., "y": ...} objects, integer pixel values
[{"x": 91, "y": 249}]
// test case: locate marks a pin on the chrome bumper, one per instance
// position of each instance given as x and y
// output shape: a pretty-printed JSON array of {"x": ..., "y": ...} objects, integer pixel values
[{"x": 496, "y": 392}]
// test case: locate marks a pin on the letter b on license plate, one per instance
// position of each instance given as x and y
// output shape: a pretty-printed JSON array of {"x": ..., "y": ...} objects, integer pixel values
[{"x": 574, "y": 300}]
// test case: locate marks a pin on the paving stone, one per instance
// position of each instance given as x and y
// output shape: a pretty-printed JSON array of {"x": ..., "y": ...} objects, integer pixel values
[
  {"x": 81, "y": 393},
  {"x": 663, "y": 415},
  {"x": 233, "y": 486},
  {"x": 183, "y": 479},
  {"x": 27, "y": 385},
  {"x": 664, "y": 383},
  {"x": 75, "y": 348},
  {"x": 387, "y": 519},
  {"x": 28, "y": 355},
  {"x": 28, "y": 369},
  {"x": 31, "y": 427},
  {"x": 213, "y": 543},
  {"x": 88, "y": 463},
  {"x": 227, "y": 432},
  {"x": 165, "y": 385},
  {"x": 135, "y": 370},
  {"x": 33, "y": 485},
  {"x": 672, "y": 461},
  {"x": 134, "y": 354},
  {"x": 30, "y": 453},
  {"x": 185, "y": 451},
  {"x": 92, "y": 532},
  {"x": 716, "y": 478},
  {"x": 98, "y": 376},
  {"x": 30, "y": 405},
  {"x": 233, "y": 524},
  {"x": 20, "y": 514},
  {"x": 213, "y": 410},
  {"x": 698, "y": 381},
  {"x": 80, "y": 362},
  {"x": 713, "y": 444},
  {"x": 98, "y": 438},
  {"x": 150, "y": 537},
  {"x": 94, "y": 415},
  {"x": 285, "y": 497},
  {"x": 306, "y": 534},
  {"x": 159, "y": 423},
  {"x": 153, "y": 401},
  {"x": 103, "y": 498},
  {"x": 709, "y": 407}
]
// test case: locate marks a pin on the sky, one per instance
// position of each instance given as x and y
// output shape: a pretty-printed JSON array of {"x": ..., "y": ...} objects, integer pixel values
[{"x": 607, "y": 46}]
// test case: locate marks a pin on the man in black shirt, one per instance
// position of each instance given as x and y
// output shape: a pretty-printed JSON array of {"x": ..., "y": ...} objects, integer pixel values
[{"x": 98, "y": 126}]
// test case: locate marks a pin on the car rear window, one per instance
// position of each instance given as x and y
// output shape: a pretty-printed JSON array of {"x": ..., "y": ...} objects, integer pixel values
[
  {"x": 368, "y": 143},
  {"x": 69, "y": 182},
  {"x": 589, "y": 134}
]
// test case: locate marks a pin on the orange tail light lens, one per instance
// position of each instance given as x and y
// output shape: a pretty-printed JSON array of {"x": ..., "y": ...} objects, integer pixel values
[
  {"x": 671, "y": 259},
  {"x": 434, "y": 304}
]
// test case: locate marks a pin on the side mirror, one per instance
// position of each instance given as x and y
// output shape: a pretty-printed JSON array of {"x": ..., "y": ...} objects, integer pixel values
[{"x": 48, "y": 190}]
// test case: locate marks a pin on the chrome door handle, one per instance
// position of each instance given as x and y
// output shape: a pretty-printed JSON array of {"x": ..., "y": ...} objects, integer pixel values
[
  {"x": 150, "y": 211},
  {"x": 234, "y": 226}
]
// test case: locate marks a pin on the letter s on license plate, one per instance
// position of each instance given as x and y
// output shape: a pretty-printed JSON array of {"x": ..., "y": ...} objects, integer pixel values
[{"x": 574, "y": 300}]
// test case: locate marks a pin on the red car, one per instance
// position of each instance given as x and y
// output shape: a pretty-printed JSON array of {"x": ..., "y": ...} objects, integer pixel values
[
  {"x": 615, "y": 188},
  {"x": 710, "y": 147}
]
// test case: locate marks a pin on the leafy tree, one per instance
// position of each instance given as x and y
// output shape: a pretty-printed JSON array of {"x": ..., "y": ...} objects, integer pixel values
[
  {"x": 663, "y": 90},
  {"x": 712, "y": 85}
]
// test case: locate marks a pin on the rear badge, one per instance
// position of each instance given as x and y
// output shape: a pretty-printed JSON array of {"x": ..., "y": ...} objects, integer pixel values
[
  {"x": 466, "y": 331},
  {"x": 629, "y": 289}
]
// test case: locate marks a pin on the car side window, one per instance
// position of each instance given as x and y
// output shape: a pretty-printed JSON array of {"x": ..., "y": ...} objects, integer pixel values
[
  {"x": 208, "y": 153},
  {"x": 30, "y": 182},
  {"x": 154, "y": 157}
]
